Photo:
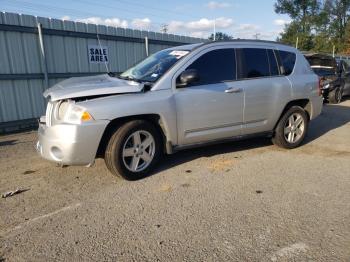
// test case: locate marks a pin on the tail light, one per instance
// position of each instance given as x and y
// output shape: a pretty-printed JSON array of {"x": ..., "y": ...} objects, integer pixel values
[{"x": 320, "y": 80}]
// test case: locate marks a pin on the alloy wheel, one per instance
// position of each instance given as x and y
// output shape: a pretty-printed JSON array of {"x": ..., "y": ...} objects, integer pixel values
[
  {"x": 294, "y": 128},
  {"x": 138, "y": 151},
  {"x": 338, "y": 95}
]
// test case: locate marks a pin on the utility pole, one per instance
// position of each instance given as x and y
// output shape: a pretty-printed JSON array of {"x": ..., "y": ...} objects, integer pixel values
[
  {"x": 43, "y": 56},
  {"x": 164, "y": 28},
  {"x": 297, "y": 43},
  {"x": 214, "y": 38},
  {"x": 256, "y": 36}
]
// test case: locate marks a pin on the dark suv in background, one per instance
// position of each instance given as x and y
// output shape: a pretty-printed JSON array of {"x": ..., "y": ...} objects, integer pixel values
[{"x": 334, "y": 77}]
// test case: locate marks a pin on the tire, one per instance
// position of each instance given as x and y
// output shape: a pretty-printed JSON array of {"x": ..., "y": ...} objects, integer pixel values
[
  {"x": 335, "y": 96},
  {"x": 297, "y": 131},
  {"x": 124, "y": 157}
]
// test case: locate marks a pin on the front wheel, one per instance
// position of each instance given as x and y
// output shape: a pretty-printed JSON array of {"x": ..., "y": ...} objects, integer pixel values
[
  {"x": 291, "y": 128},
  {"x": 336, "y": 96},
  {"x": 133, "y": 150}
]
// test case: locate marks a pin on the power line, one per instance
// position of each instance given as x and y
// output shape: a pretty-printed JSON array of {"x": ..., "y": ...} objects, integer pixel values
[
  {"x": 138, "y": 4},
  {"x": 80, "y": 14},
  {"x": 23, "y": 5},
  {"x": 74, "y": 12},
  {"x": 118, "y": 7},
  {"x": 66, "y": 11}
]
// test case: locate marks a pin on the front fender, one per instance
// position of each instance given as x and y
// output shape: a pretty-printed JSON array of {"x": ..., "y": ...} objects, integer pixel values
[{"x": 160, "y": 102}]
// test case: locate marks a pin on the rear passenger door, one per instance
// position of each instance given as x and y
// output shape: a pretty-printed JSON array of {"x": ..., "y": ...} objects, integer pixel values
[{"x": 266, "y": 90}]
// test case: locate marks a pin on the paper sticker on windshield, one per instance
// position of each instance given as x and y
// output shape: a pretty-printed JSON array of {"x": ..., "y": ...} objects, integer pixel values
[
  {"x": 179, "y": 53},
  {"x": 154, "y": 75}
]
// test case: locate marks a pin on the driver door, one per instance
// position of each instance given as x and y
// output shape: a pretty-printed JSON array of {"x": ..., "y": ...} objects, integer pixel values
[{"x": 212, "y": 108}]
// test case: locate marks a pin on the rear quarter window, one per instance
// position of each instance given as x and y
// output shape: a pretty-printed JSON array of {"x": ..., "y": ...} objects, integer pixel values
[{"x": 288, "y": 61}]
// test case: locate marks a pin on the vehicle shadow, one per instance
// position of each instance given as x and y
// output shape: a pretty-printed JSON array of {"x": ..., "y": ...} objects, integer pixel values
[
  {"x": 332, "y": 117},
  {"x": 184, "y": 156},
  {"x": 8, "y": 142}
]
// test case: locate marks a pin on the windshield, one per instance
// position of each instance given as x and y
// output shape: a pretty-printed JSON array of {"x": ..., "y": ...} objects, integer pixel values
[
  {"x": 154, "y": 66},
  {"x": 322, "y": 62},
  {"x": 324, "y": 71},
  {"x": 322, "y": 66}
]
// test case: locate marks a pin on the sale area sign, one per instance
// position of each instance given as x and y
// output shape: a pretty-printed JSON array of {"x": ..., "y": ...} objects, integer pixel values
[{"x": 98, "y": 54}]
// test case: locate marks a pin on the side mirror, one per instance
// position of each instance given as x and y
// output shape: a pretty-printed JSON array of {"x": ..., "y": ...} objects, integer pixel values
[{"x": 188, "y": 77}]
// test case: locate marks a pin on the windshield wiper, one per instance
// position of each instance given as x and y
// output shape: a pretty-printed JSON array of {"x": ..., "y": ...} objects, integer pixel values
[
  {"x": 112, "y": 74},
  {"x": 129, "y": 78}
]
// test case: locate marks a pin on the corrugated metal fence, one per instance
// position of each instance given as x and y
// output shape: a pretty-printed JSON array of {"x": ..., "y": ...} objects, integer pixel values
[{"x": 26, "y": 67}]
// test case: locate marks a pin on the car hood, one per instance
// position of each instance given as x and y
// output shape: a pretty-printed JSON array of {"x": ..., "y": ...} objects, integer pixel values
[{"x": 91, "y": 86}]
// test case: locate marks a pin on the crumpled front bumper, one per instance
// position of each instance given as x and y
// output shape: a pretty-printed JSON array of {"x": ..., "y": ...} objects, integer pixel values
[{"x": 69, "y": 144}]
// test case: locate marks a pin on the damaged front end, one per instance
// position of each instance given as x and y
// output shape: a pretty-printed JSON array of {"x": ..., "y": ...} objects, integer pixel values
[
  {"x": 68, "y": 133},
  {"x": 92, "y": 86},
  {"x": 328, "y": 84}
]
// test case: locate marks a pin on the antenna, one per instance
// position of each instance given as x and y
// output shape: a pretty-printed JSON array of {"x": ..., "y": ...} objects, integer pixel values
[{"x": 99, "y": 43}]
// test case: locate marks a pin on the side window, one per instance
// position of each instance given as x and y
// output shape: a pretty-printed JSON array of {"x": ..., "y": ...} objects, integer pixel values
[
  {"x": 288, "y": 61},
  {"x": 254, "y": 63},
  {"x": 273, "y": 63},
  {"x": 215, "y": 66}
]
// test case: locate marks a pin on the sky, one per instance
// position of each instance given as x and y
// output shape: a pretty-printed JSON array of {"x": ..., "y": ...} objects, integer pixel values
[{"x": 246, "y": 19}]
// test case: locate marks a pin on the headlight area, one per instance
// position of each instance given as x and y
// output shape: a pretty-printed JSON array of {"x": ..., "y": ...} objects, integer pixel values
[
  {"x": 326, "y": 86},
  {"x": 61, "y": 110},
  {"x": 68, "y": 112}
]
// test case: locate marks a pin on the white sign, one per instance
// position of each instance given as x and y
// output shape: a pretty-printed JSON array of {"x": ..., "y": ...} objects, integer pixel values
[
  {"x": 179, "y": 53},
  {"x": 98, "y": 54}
]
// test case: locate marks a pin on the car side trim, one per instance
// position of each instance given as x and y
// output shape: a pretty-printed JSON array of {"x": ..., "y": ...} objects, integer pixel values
[
  {"x": 221, "y": 141},
  {"x": 212, "y": 128}
]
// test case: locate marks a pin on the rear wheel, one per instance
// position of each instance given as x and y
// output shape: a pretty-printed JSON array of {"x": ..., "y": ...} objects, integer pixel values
[
  {"x": 133, "y": 150},
  {"x": 291, "y": 128},
  {"x": 335, "y": 96}
]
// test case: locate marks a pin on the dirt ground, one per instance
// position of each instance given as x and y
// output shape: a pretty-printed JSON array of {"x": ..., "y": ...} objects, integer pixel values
[{"x": 242, "y": 201}]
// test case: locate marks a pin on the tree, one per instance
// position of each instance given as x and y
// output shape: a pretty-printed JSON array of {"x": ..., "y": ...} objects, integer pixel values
[
  {"x": 347, "y": 39},
  {"x": 302, "y": 11},
  {"x": 220, "y": 36},
  {"x": 293, "y": 34},
  {"x": 322, "y": 43},
  {"x": 338, "y": 12},
  {"x": 318, "y": 25},
  {"x": 306, "y": 16}
]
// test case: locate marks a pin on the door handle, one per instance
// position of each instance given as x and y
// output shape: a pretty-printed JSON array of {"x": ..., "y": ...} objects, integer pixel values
[{"x": 233, "y": 90}]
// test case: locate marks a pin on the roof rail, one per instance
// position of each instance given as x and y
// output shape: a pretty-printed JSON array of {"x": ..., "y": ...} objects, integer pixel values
[{"x": 245, "y": 40}]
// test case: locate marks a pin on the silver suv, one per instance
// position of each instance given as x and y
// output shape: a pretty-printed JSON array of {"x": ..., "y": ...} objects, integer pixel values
[{"x": 179, "y": 98}]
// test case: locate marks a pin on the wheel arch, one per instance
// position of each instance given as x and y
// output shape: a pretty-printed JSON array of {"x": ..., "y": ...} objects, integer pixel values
[
  {"x": 303, "y": 103},
  {"x": 113, "y": 125}
]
